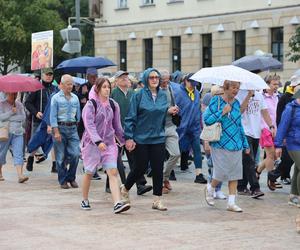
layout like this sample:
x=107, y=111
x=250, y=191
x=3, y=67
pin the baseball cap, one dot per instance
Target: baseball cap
x=92, y=71
x=295, y=80
x=120, y=73
x=47, y=71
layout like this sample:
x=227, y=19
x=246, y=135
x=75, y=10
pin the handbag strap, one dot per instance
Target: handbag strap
x=172, y=96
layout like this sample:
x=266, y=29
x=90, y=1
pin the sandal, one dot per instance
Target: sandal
x=278, y=185
x=271, y=185
x=40, y=159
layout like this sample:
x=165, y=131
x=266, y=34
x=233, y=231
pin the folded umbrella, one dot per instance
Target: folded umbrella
x=257, y=62
x=81, y=64
x=217, y=75
x=19, y=83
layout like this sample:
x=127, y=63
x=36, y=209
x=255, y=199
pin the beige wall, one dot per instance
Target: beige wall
x=191, y=45
x=186, y=9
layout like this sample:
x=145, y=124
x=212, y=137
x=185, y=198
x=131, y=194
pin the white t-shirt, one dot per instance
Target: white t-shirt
x=251, y=118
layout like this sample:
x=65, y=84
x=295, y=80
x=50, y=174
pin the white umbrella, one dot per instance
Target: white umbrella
x=217, y=75
x=79, y=81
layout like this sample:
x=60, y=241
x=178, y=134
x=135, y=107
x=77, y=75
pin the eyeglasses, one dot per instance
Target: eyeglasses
x=154, y=77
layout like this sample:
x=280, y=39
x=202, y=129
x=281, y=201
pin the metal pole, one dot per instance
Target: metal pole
x=77, y=11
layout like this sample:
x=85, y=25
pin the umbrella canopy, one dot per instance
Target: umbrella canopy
x=297, y=73
x=19, y=83
x=81, y=64
x=257, y=62
x=217, y=75
x=79, y=80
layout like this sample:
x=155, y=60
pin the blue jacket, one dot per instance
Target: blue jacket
x=145, y=120
x=190, y=113
x=289, y=127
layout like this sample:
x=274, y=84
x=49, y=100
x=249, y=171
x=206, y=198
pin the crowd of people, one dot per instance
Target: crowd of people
x=157, y=125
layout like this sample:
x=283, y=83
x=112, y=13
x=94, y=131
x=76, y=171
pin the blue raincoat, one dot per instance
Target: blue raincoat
x=190, y=113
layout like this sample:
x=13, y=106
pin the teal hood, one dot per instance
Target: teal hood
x=146, y=74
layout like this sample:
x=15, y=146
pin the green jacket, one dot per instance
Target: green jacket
x=123, y=100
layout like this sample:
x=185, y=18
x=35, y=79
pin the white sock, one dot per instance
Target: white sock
x=231, y=199
x=209, y=188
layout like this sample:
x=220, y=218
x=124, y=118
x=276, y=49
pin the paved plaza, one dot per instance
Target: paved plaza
x=40, y=215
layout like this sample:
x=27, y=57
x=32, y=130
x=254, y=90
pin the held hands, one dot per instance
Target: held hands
x=57, y=136
x=102, y=146
x=49, y=129
x=226, y=109
x=130, y=145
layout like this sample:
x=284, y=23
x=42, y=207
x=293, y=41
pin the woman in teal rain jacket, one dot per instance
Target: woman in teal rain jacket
x=145, y=135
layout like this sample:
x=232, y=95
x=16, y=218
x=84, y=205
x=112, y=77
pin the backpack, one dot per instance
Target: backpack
x=111, y=102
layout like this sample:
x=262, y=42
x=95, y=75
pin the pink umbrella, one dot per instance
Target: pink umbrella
x=19, y=83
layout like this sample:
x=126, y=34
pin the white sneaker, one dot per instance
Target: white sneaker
x=209, y=197
x=234, y=208
x=219, y=195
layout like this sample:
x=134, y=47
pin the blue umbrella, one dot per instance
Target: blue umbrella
x=257, y=62
x=81, y=64
x=79, y=80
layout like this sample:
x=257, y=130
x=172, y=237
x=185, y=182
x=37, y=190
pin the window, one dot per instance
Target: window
x=148, y=50
x=206, y=50
x=122, y=3
x=176, y=53
x=145, y=2
x=123, y=55
x=239, y=44
x=277, y=43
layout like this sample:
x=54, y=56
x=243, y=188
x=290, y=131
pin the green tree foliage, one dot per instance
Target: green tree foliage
x=18, y=20
x=294, y=44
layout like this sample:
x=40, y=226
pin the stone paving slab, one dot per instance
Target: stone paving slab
x=40, y=215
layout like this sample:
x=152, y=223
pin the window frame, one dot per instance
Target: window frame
x=239, y=46
x=206, y=50
x=148, y=53
x=279, y=51
x=122, y=44
x=176, y=51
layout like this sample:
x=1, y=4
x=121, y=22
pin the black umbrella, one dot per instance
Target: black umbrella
x=257, y=63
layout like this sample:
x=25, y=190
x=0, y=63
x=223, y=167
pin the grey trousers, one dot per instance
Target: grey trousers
x=295, y=186
x=172, y=147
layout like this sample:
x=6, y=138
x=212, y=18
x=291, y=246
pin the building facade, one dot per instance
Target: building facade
x=187, y=35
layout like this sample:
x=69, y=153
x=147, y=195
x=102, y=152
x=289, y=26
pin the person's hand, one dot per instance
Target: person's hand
x=278, y=152
x=39, y=115
x=84, y=89
x=14, y=110
x=130, y=145
x=247, y=151
x=226, y=109
x=250, y=93
x=57, y=136
x=102, y=146
x=173, y=110
x=273, y=131
x=49, y=129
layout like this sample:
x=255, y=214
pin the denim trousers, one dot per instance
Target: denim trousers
x=16, y=142
x=67, y=152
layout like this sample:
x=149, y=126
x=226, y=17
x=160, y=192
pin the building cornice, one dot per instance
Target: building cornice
x=200, y=17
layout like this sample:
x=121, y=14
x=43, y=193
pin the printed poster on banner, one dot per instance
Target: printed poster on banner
x=42, y=50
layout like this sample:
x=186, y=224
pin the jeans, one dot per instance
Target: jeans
x=16, y=142
x=67, y=152
x=249, y=174
x=143, y=154
x=195, y=145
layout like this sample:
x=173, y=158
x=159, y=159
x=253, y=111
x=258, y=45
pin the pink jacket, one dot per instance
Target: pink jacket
x=105, y=126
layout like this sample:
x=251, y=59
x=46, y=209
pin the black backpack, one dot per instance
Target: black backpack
x=111, y=102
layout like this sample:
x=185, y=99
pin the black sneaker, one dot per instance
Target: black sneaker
x=121, y=207
x=200, y=179
x=53, y=169
x=96, y=176
x=245, y=192
x=286, y=181
x=143, y=189
x=172, y=176
x=85, y=205
x=257, y=193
